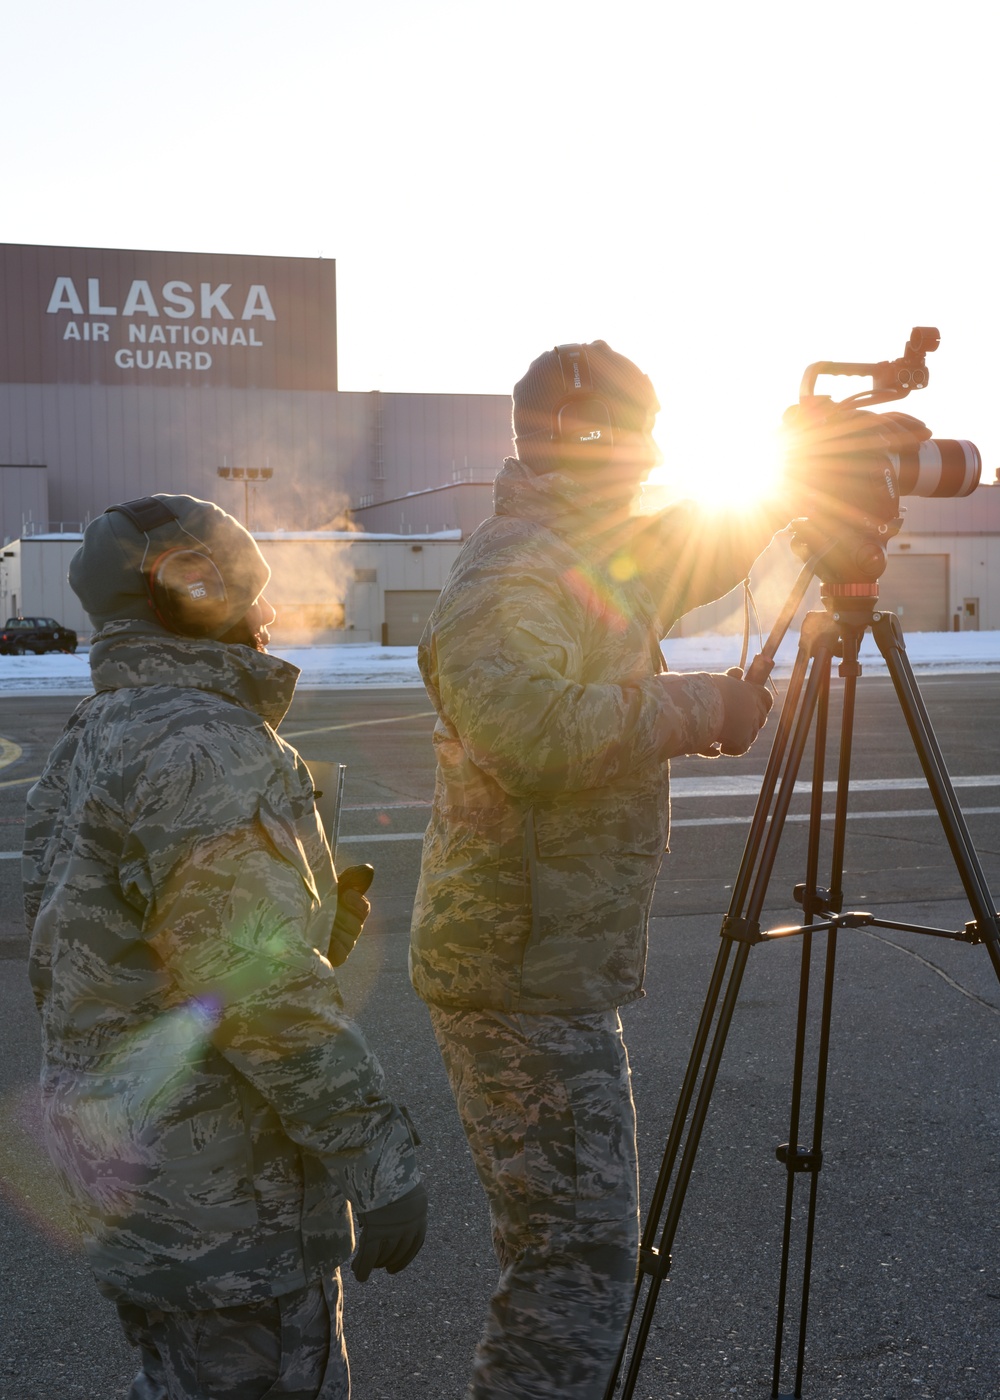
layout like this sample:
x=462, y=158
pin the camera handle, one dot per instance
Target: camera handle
x=838, y=629
x=891, y=379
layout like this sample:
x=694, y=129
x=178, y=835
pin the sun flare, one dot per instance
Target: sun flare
x=722, y=470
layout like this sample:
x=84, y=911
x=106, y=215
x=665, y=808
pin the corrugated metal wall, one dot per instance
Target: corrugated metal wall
x=435, y=439
x=915, y=587
x=104, y=444
x=461, y=506
x=24, y=496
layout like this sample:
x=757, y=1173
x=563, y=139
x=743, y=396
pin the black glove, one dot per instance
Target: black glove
x=392, y=1235
x=745, y=707
x=352, y=910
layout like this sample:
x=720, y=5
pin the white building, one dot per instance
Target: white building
x=327, y=586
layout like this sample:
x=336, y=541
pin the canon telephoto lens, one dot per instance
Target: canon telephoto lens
x=939, y=467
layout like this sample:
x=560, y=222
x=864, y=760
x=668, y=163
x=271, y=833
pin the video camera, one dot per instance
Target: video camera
x=849, y=467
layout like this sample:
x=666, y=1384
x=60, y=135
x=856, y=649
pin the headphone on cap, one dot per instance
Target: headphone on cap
x=186, y=591
x=582, y=418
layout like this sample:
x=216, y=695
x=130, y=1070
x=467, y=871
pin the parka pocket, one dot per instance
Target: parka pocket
x=592, y=868
x=591, y=876
x=617, y=824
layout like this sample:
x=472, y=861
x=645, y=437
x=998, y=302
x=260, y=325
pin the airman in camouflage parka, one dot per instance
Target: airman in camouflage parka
x=218, y=1121
x=556, y=722
x=211, y=1107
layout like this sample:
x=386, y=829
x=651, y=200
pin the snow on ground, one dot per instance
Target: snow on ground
x=362, y=666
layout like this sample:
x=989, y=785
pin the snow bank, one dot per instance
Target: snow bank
x=361, y=666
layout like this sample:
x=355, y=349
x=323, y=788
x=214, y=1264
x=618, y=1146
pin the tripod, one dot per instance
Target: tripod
x=849, y=610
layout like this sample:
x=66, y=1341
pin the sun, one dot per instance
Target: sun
x=724, y=467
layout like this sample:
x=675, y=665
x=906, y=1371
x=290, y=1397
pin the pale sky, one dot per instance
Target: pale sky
x=725, y=192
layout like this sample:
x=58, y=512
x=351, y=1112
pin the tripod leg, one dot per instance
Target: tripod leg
x=807, y=696
x=656, y=1262
x=748, y=894
x=790, y=1152
x=811, y=1161
x=888, y=636
x=750, y=888
x=772, y=773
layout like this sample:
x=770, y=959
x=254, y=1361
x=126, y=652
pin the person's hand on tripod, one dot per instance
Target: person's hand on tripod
x=745, y=709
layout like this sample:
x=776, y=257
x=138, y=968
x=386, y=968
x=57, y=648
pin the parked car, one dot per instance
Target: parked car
x=37, y=634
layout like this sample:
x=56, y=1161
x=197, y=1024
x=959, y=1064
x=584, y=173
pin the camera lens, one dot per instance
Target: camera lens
x=939, y=467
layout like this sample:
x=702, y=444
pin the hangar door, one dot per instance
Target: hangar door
x=916, y=587
x=406, y=614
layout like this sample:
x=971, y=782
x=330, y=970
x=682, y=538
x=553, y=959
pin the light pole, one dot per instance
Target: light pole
x=246, y=475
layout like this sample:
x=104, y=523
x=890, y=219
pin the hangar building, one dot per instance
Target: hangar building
x=125, y=372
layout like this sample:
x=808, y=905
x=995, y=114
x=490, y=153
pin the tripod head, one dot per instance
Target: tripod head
x=847, y=560
x=848, y=557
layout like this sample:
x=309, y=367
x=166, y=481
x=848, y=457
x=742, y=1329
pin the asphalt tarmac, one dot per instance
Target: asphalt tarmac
x=905, y=1296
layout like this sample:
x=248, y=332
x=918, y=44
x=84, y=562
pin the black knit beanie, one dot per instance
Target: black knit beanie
x=108, y=573
x=538, y=395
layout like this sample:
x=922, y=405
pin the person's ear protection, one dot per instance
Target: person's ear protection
x=581, y=420
x=186, y=590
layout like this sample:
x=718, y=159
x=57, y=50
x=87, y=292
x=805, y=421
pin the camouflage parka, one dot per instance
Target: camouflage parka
x=555, y=726
x=211, y=1108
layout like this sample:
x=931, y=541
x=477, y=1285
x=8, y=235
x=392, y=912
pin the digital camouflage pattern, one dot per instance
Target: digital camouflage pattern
x=556, y=721
x=213, y=1111
x=291, y=1346
x=547, y=1108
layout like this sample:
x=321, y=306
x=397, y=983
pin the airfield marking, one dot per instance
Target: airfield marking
x=355, y=724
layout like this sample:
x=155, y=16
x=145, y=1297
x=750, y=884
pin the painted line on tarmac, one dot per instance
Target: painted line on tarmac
x=683, y=788
x=749, y=786
x=356, y=724
x=828, y=816
x=9, y=752
x=381, y=836
x=687, y=788
x=914, y=813
x=390, y=806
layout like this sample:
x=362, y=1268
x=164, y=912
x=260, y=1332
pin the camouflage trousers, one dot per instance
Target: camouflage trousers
x=546, y=1104
x=291, y=1346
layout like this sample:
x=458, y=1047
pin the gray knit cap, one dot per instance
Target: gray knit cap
x=537, y=396
x=107, y=571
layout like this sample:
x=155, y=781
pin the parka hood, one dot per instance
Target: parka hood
x=126, y=654
x=596, y=515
